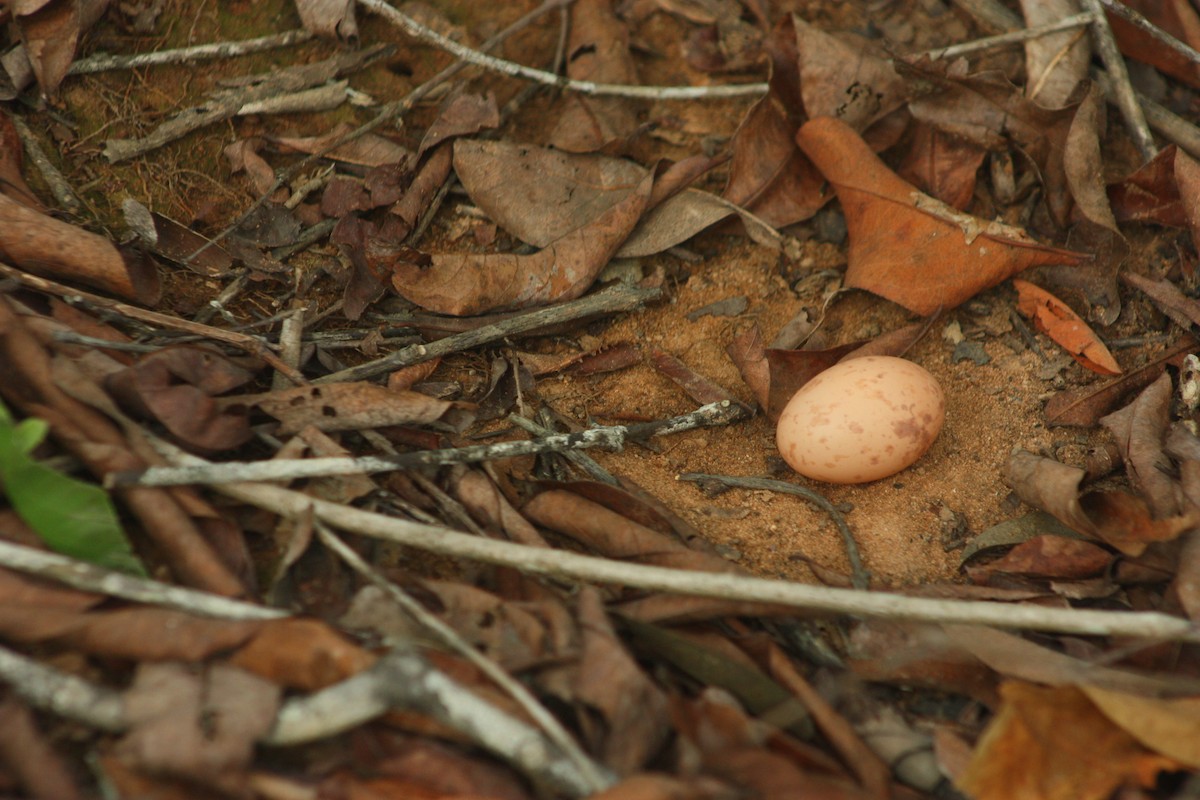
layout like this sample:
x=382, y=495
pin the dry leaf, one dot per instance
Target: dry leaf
x=461, y=284
x=907, y=246
x=1170, y=726
x=1054, y=744
x=332, y=19
x=355, y=406
x=1140, y=429
x=1054, y=318
x=1057, y=62
x=1150, y=194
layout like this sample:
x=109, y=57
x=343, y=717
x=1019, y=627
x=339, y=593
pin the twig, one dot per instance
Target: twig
x=59, y=187
x=1171, y=126
x=581, y=460
x=1146, y=26
x=403, y=679
x=566, y=565
x=860, y=577
x=250, y=344
x=512, y=69
x=308, y=236
x=607, y=301
x=1011, y=37
x=104, y=63
x=1114, y=62
x=609, y=438
x=91, y=578
x=595, y=775
x=61, y=693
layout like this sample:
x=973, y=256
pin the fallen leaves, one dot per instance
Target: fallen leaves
x=907, y=246
x=1054, y=318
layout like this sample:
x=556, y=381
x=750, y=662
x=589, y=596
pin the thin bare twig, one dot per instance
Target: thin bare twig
x=1114, y=62
x=859, y=576
x=572, y=566
x=61, y=693
x=183, y=55
x=581, y=460
x=59, y=187
x=1141, y=23
x=91, y=578
x=607, y=301
x=596, y=775
x=1011, y=37
x=425, y=34
x=609, y=438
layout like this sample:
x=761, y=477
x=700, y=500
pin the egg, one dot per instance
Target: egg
x=861, y=420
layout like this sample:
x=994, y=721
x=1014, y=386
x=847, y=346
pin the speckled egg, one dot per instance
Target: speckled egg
x=861, y=420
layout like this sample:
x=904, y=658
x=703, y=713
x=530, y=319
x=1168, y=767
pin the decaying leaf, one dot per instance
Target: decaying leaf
x=1055, y=744
x=907, y=246
x=1140, y=429
x=355, y=406
x=1055, y=318
x=1117, y=518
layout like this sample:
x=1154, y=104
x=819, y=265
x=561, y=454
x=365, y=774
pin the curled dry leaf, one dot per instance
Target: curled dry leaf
x=51, y=31
x=1150, y=194
x=45, y=246
x=944, y=166
x=356, y=406
x=1055, y=318
x=1140, y=429
x=1116, y=518
x=1179, y=19
x=907, y=246
x=461, y=284
x=332, y=19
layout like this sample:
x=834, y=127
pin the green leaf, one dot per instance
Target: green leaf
x=74, y=518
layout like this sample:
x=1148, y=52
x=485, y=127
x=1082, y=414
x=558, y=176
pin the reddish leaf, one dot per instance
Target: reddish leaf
x=1178, y=19
x=1150, y=194
x=1187, y=178
x=12, y=181
x=943, y=165
x=1139, y=430
x=1048, y=557
x=1055, y=319
x=907, y=246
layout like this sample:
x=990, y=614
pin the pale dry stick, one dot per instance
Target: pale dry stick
x=59, y=187
x=514, y=70
x=405, y=679
x=581, y=460
x=1126, y=99
x=596, y=775
x=610, y=438
x=92, y=578
x=389, y=112
x=183, y=55
x=1170, y=126
x=606, y=301
x=572, y=566
x=401, y=679
x=1012, y=37
x=250, y=344
x=1141, y=23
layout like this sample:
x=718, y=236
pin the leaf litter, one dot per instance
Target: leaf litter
x=873, y=199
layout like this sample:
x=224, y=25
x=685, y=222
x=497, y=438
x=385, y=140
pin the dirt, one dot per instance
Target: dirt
x=905, y=525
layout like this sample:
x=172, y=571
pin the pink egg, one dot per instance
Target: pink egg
x=861, y=420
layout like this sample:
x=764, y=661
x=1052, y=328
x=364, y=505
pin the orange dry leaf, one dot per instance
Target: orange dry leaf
x=1054, y=744
x=1055, y=319
x=907, y=246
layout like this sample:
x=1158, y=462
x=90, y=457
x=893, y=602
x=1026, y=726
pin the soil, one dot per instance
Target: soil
x=907, y=526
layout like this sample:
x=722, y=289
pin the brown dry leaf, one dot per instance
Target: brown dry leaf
x=363, y=285
x=462, y=284
x=1167, y=726
x=1055, y=318
x=1048, y=557
x=51, y=31
x=332, y=19
x=369, y=150
x=488, y=506
x=597, y=50
x=1187, y=178
x=243, y=155
x=1114, y=517
x=355, y=406
x=461, y=115
x=33, y=611
x=942, y=165
x=198, y=725
x=1140, y=429
x=1177, y=18
x=45, y=246
x=177, y=387
x=177, y=242
x=1150, y=194
x=696, y=386
x=1054, y=744
x=12, y=181
x=1056, y=63
x=633, y=723
x=653, y=786
x=1087, y=404
x=912, y=654
x=1169, y=299
x=303, y=654
x=1082, y=163
x=907, y=246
